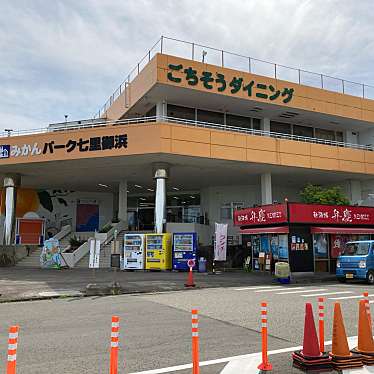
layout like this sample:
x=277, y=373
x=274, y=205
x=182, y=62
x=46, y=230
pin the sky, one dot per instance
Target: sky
x=68, y=56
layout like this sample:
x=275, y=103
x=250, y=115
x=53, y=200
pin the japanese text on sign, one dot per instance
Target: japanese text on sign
x=99, y=143
x=218, y=81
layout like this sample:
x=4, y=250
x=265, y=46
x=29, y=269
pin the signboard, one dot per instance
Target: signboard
x=50, y=256
x=263, y=215
x=220, y=244
x=215, y=81
x=331, y=214
x=94, y=262
x=191, y=263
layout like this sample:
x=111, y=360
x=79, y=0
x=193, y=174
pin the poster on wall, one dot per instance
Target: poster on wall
x=283, y=247
x=338, y=243
x=50, y=256
x=320, y=245
x=265, y=243
x=274, y=246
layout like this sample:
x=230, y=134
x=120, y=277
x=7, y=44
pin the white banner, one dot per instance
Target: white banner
x=220, y=243
x=94, y=262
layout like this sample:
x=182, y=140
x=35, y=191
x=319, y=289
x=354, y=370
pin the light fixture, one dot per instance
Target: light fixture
x=142, y=198
x=175, y=197
x=103, y=185
x=128, y=191
x=175, y=188
x=150, y=190
x=9, y=131
x=137, y=186
x=192, y=197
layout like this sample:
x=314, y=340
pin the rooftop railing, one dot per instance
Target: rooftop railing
x=220, y=57
x=77, y=125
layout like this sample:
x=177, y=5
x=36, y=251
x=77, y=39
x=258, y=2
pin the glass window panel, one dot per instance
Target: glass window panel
x=325, y=134
x=256, y=124
x=207, y=116
x=238, y=121
x=280, y=127
x=303, y=131
x=181, y=112
x=339, y=136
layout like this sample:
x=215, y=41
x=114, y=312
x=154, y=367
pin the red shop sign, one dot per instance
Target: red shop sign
x=263, y=215
x=331, y=214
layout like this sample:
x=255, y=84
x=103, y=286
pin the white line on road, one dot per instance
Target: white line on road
x=252, y=288
x=348, y=297
x=326, y=293
x=276, y=288
x=352, y=341
x=313, y=290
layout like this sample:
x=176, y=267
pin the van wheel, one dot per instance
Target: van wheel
x=342, y=280
x=370, y=277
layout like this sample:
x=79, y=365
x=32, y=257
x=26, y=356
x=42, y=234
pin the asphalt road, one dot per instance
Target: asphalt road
x=72, y=335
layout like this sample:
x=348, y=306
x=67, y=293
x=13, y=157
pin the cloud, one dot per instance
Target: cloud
x=68, y=56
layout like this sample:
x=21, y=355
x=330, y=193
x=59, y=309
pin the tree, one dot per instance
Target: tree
x=312, y=194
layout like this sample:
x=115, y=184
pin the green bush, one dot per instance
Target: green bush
x=313, y=194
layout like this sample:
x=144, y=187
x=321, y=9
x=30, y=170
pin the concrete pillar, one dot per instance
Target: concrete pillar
x=265, y=124
x=160, y=204
x=161, y=110
x=351, y=137
x=355, y=190
x=11, y=182
x=122, y=201
x=266, y=191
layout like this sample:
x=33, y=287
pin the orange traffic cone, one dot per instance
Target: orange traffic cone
x=190, y=282
x=341, y=357
x=310, y=358
x=365, y=345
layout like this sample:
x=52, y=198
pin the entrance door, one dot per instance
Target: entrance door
x=87, y=217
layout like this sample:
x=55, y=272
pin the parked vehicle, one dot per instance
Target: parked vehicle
x=356, y=262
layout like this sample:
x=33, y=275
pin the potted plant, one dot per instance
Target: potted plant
x=75, y=243
x=103, y=232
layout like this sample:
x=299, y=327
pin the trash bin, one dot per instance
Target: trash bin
x=202, y=265
x=282, y=272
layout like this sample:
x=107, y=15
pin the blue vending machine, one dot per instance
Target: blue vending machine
x=184, y=249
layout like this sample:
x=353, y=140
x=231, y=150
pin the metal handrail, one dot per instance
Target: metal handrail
x=321, y=79
x=210, y=125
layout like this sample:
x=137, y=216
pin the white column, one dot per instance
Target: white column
x=11, y=183
x=265, y=124
x=122, y=201
x=266, y=191
x=355, y=191
x=161, y=110
x=160, y=203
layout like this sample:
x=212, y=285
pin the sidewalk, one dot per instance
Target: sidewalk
x=17, y=284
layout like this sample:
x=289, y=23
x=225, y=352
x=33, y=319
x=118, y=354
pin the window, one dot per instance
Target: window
x=227, y=210
x=256, y=123
x=238, y=121
x=280, y=127
x=339, y=136
x=151, y=112
x=325, y=134
x=303, y=131
x=181, y=112
x=207, y=116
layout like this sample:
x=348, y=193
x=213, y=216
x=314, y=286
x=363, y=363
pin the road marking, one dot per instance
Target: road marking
x=276, y=288
x=348, y=297
x=313, y=290
x=252, y=288
x=327, y=293
x=352, y=341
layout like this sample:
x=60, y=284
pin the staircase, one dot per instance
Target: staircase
x=105, y=253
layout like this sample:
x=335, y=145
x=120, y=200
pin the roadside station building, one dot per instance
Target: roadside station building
x=193, y=134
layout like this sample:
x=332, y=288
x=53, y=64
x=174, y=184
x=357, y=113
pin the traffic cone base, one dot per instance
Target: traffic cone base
x=265, y=367
x=310, y=358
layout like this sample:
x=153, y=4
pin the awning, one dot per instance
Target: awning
x=266, y=230
x=340, y=230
